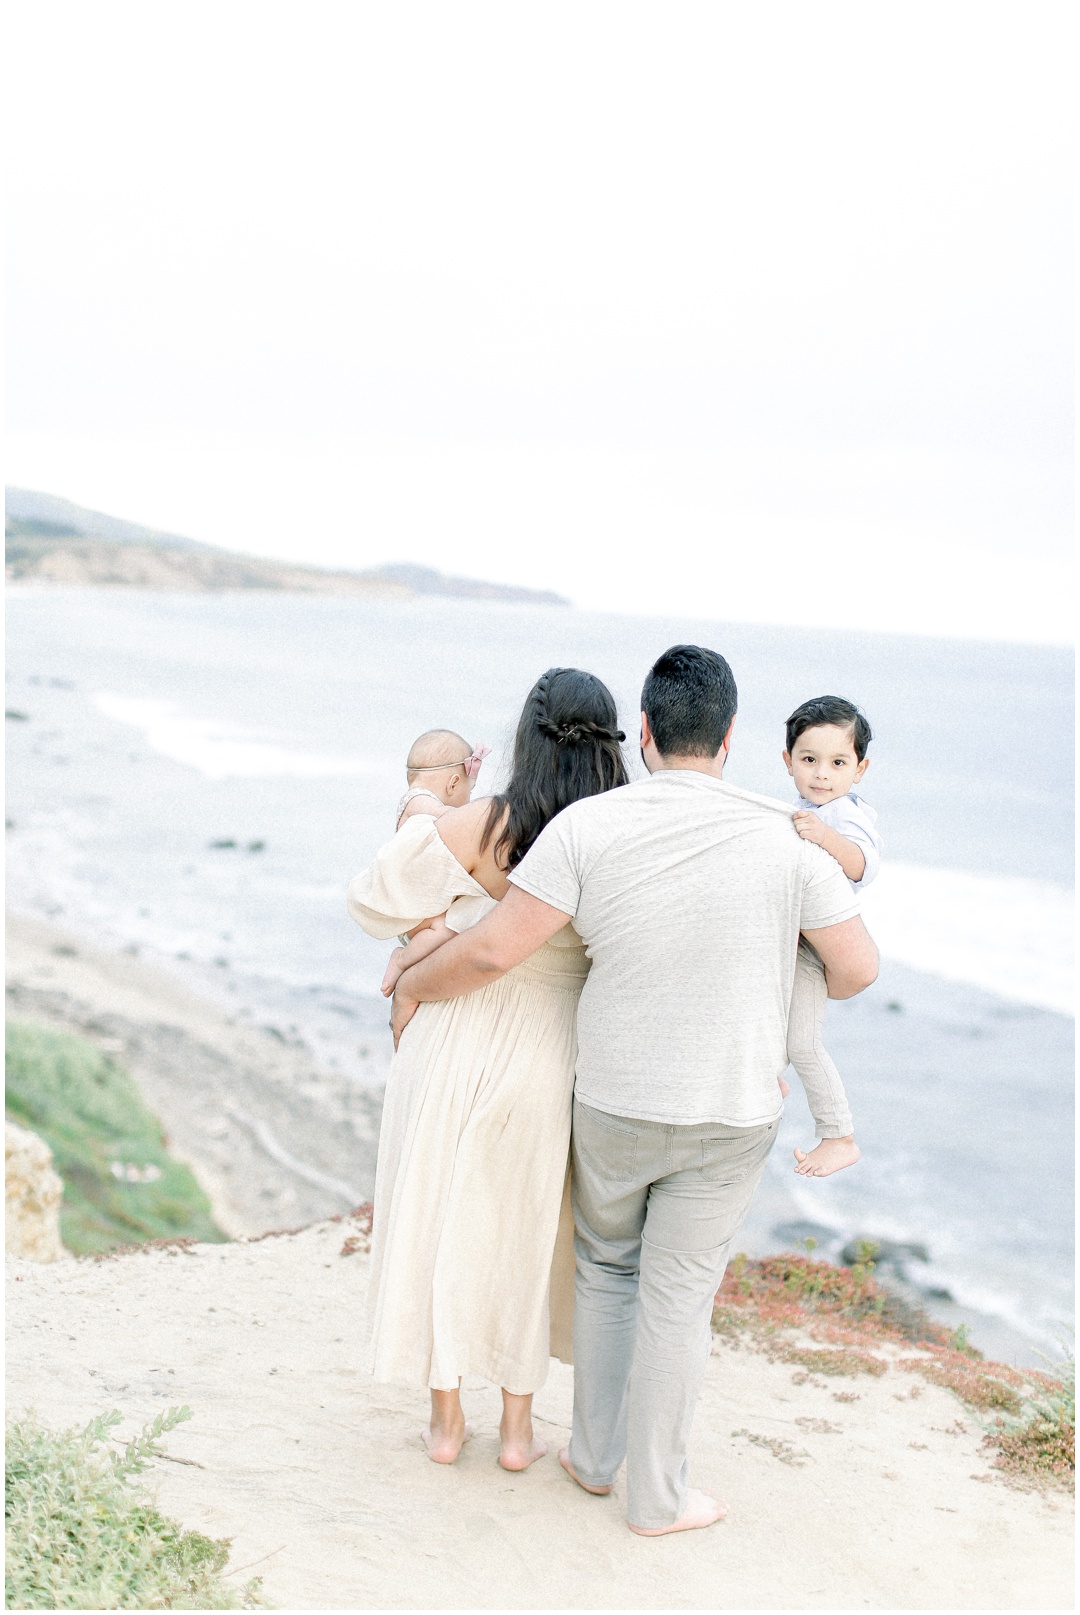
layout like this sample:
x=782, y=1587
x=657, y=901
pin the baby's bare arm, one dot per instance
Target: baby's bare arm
x=421, y=804
x=848, y=854
x=420, y=944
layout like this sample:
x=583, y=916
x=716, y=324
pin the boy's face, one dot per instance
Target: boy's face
x=823, y=763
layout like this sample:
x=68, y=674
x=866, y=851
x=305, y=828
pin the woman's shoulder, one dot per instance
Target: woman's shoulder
x=464, y=830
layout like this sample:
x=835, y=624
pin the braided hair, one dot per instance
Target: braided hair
x=566, y=748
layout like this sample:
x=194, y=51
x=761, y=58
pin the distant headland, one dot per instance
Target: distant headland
x=51, y=540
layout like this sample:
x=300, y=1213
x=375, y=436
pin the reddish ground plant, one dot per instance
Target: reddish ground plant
x=857, y=1324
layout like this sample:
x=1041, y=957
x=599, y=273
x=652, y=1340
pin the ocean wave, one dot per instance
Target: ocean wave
x=223, y=751
x=1005, y=934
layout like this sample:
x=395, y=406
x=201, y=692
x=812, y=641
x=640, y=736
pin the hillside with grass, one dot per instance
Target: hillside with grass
x=121, y=1185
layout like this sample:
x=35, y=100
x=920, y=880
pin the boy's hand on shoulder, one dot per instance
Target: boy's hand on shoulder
x=810, y=827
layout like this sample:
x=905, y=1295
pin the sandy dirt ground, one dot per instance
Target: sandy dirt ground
x=881, y=1502
x=275, y=1141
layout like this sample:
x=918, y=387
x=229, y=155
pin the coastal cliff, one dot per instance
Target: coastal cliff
x=52, y=541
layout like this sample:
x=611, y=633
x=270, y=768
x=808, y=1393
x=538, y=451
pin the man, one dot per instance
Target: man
x=690, y=896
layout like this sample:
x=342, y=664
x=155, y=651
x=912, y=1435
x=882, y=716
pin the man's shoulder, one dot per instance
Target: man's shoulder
x=772, y=810
x=593, y=813
x=685, y=797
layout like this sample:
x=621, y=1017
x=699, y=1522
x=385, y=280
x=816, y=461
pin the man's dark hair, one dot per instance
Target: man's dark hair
x=689, y=699
x=830, y=709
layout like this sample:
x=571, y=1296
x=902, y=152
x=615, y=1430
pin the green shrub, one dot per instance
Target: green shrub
x=92, y=1116
x=81, y=1536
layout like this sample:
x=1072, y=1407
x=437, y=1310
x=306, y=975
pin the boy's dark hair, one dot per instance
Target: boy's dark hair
x=689, y=699
x=830, y=709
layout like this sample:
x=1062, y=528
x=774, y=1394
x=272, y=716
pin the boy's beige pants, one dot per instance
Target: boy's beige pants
x=824, y=1090
x=656, y=1209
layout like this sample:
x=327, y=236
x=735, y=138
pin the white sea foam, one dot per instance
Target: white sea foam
x=1005, y=934
x=223, y=751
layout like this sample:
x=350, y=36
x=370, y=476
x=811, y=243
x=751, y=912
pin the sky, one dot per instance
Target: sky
x=755, y=312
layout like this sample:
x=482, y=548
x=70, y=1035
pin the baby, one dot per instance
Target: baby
x=826, y=755
x=449, y=766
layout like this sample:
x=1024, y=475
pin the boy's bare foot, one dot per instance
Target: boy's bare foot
x=597, y=1491
x=516, y=1454
x=443, y=1446
x=830, y=1155
x=701, y=1509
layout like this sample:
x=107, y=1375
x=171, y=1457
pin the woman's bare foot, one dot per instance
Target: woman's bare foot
x=448, y=1432
x=443, y=1446
x=830, y=1155
x=518, y=1446
x=701, y=1509
x=519, y=1455
x=597, y=1491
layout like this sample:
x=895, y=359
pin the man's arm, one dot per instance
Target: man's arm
x=849, y=955
x=512, y=931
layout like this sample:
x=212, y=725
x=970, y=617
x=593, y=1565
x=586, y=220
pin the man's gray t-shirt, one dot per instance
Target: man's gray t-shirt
x=689, y=895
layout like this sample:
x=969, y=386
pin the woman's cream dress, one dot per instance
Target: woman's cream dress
x=472, y=1245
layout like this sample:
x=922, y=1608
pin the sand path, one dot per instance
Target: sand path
x=320, y=1479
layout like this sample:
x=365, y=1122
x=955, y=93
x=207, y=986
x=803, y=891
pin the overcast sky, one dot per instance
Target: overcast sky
x=750, y=310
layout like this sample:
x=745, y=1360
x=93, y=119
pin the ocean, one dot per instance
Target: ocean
x=196, y=777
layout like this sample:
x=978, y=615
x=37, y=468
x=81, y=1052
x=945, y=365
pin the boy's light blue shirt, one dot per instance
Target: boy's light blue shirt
x=854, y=818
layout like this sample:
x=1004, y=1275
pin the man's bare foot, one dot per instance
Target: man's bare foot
x=597, y=1491
x=517, y=1454
x=443, y=1446
x=701, y=1509
x=830, y=1155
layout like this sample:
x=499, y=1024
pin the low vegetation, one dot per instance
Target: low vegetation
x=841, y=1321
x=121, y=1186
x=1039, y=1446
x=82, y=1535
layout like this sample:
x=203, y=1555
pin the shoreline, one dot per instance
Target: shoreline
x=278, y=1137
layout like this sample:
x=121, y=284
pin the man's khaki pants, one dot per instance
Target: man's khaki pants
x=656, y=1209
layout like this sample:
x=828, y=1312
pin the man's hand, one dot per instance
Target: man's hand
x=401, y=1013
x=810, y=827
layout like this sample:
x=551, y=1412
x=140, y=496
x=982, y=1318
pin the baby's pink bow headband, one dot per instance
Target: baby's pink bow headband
x=472, y=764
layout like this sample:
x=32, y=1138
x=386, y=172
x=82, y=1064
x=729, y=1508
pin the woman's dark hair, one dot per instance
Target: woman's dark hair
x=566, y=747
x=830, y=709
x=689, y=699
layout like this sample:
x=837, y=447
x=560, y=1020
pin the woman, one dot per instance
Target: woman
x=470, y=1188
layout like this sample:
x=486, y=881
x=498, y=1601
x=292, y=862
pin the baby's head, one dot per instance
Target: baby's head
x=826, y=747
x=437, y=760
